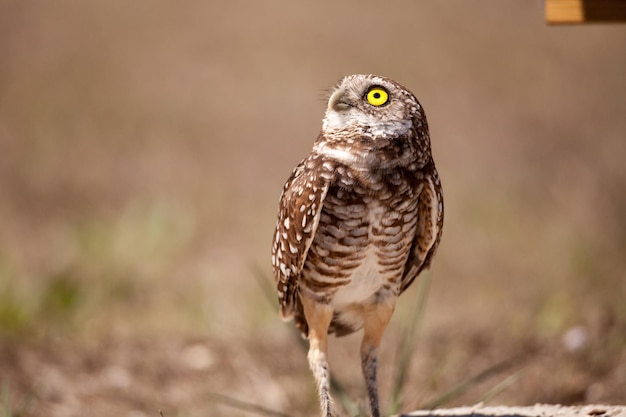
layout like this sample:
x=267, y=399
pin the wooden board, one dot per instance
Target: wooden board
x=584, y=11
x=537, y=410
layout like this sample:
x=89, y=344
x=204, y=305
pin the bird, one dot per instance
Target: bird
x=359, y=219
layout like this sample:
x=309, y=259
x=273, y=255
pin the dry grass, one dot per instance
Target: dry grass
x=142, y=151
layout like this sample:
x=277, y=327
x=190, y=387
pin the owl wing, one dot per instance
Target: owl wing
x=298, y=216
x=428, y=230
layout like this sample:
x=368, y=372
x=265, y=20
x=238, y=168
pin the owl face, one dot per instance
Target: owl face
x=371, y=106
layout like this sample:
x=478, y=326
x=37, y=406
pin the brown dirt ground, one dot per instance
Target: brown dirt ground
x=143, y=146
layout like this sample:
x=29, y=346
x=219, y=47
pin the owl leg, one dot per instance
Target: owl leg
x=376, y=320
x=318, y=317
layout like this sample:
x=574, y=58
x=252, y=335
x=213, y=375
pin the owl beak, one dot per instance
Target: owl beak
x=337, y=101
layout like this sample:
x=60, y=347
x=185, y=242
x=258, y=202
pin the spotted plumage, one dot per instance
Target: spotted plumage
x=359, y=219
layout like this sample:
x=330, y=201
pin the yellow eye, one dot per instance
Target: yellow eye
x=377, y=96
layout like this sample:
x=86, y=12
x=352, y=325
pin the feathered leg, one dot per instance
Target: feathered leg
x=318, y=317
x=376, y=320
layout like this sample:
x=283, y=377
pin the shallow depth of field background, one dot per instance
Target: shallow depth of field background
x=143, y=147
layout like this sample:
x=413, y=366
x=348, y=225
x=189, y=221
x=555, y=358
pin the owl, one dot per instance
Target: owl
x=359, y=218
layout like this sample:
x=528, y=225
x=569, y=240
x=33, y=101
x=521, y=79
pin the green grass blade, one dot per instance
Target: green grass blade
x=6, y=407
x=407, y=345
x=348, y=405
x=471, y=382
x=21, y=408
x=267, y=286
x=502, y=385
x=245, y=406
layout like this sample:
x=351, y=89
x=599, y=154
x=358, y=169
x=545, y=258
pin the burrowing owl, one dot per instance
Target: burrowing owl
x=358, y=220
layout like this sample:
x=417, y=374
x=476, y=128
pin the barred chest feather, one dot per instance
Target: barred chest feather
x=363, y=239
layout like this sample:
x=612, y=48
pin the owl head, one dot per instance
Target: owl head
x=374, y=122
x=372, y=106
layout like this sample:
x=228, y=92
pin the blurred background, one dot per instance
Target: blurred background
x=143, y=147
